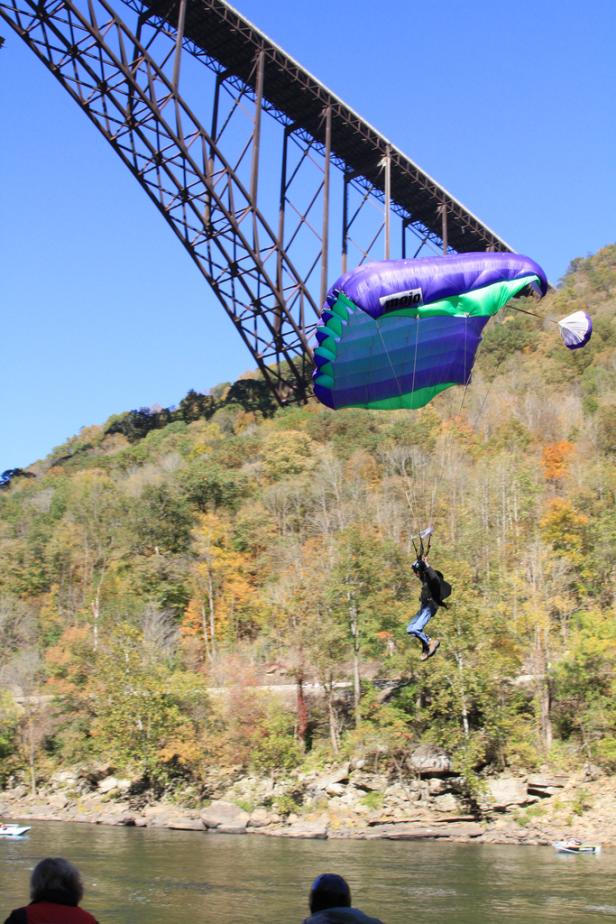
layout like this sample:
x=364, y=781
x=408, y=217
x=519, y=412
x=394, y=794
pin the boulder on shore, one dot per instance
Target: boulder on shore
x=430, y=760
x=224, y=815
x=262, y=817
x=506, y=791
x=546, y=785
x=112, y=784
x=307, y=829
x=185, y=823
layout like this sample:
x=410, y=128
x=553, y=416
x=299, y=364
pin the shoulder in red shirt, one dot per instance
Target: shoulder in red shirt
x=53, y=913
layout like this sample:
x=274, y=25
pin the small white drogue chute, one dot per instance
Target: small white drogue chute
x=576, y=329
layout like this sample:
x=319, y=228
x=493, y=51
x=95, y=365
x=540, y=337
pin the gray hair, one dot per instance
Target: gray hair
x=55, y=878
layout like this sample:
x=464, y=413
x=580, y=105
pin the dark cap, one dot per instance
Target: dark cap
x=419, y=566
x=329, y=891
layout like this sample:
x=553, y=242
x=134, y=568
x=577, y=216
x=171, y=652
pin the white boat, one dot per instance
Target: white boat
x=13, y=830
x=575, y=846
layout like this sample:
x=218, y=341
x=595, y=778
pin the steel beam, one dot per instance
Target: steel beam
x=325, y=231
x=387, y=168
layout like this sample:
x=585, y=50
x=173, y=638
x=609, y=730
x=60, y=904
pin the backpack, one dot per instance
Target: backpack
x=439, y=587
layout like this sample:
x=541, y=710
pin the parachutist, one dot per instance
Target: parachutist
x=434, y=590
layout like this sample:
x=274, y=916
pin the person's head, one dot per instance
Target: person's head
x=329, y=891
x=55, y=879
x=419, y=567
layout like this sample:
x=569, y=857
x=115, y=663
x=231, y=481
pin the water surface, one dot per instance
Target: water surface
x=156, y=876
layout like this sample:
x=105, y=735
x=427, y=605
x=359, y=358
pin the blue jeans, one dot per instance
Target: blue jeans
x=419, y=622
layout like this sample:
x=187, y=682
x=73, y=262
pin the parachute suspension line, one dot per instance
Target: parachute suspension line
x=489, y=388
x=463, y=399
x=466, y=370
x=410, y=492
x=447, y=441
x=433, y=499
x=532, y=314
x=415, y=353
x=448, y=436
x=414, y=480
x=386, y=351
x=483, y=405
x=412, y=390
x=438, y=477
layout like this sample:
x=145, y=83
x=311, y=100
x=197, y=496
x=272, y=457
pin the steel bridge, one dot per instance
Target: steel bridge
x=273, y=184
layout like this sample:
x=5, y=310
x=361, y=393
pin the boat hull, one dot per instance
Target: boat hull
x=13, y=830
x=583, y=848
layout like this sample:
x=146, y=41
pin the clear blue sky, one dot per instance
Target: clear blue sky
x=510, y=107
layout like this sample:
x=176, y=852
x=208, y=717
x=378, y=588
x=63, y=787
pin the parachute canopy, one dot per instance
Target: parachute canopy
x=395, y=333
x=576, y=329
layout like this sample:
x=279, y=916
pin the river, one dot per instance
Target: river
x=157, y=876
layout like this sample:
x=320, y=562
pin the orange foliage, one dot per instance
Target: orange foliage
x=68, y=662
x=460, y=430
x=554, y=459
x=192, y=620
x=183, y=748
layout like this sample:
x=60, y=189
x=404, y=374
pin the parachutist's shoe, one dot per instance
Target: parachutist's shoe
x=434, y=643
x=425, y=654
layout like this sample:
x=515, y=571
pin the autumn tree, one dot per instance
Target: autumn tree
x=85, y=547
x=220, y=607
x=585, y=689
x=142, y=710
x=554, y=459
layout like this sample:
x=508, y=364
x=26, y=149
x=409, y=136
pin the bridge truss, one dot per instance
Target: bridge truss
x=273, y=185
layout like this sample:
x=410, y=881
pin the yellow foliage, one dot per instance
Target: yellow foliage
x=287, y=453
x=563, y=528
x=50, y=618
x=243, y=420
x=91, y=433
x=222, y=582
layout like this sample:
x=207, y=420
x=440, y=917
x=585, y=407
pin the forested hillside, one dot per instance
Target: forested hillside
x=153, y=560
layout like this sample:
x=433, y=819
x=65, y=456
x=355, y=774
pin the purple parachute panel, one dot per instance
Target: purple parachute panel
x=387, y=285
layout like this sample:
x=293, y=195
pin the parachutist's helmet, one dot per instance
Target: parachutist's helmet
x=419, y=566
